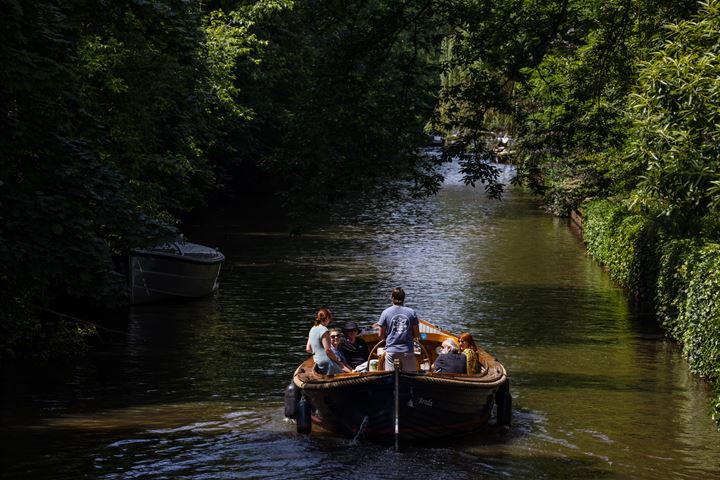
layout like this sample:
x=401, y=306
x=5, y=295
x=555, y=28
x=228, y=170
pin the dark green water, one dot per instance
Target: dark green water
x=194, y=390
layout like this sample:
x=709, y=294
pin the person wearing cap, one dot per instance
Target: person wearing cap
x=399, y=327
x=450, y=360
x=353, y=347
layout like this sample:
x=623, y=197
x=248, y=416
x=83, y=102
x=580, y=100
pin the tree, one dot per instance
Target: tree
x=107, y=117
x=340, y=102
x=562, y=72
x=675, y=109
x=572, y=120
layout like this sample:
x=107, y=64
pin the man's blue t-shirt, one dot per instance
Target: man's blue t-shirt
x=399, y=323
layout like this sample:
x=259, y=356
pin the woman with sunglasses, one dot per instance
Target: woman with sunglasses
x=470, y=350
x=336, y=341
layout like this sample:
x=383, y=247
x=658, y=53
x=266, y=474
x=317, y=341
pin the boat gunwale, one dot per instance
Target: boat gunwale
x=189, y=258
x=480, y=380
x=492, y=377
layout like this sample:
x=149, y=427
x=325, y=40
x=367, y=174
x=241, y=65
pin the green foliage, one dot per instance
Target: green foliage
x=676, y=114
x=621, y=242
x=340, y=103
x=487, y=53
x=680, y=276
x=140, y=85
x=688, y=305
x=700, y=311
x=107, y=117
x=672, y=283
x=715, y=402
x=571, y=122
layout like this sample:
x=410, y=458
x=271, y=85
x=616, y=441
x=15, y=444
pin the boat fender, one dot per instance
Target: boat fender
x=292, y=397
x=503, y=399
x=302, y=419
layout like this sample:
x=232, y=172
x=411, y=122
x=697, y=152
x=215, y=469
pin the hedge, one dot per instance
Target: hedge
x=679, y=277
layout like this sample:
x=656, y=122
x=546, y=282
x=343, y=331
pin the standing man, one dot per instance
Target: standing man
x=399, y=327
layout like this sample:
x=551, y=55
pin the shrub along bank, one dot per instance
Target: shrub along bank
x=679, y=277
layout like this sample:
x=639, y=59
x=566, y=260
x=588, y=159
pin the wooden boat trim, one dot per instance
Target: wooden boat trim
x=493, y=375
x=315, y=381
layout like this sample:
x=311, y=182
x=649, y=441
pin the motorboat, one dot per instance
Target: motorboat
x=394, y=405
x=173, y=270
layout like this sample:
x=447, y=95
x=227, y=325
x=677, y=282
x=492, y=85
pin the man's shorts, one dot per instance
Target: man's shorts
x=407, y=361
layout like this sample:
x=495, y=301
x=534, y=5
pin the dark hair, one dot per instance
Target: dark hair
x=398, y=296
x=322, y=315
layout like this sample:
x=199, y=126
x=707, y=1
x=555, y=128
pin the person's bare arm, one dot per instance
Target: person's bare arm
x=328, y=349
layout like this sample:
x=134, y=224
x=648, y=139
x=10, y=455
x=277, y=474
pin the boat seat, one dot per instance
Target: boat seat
x=419, y=363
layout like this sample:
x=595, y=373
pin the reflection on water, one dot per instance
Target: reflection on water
x=194, y=390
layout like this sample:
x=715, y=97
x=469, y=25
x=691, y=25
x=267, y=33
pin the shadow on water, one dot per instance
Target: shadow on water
x=243, y=442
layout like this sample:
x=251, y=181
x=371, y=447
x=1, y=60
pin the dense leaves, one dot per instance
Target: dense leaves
x=680, y=276
x=676, y=114
x=345, y=90
x=106, y=117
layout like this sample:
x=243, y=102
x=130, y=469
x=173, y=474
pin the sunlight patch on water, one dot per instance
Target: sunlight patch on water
x=161, y=418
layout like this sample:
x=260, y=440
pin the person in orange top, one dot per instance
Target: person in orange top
x=470, y=350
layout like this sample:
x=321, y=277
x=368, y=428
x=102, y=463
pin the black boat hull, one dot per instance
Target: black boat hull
x=428, y=407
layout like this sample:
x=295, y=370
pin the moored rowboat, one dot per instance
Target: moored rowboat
x=173, y=270
x=409, y=405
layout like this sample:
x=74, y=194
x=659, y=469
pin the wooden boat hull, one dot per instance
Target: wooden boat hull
x=161, y=275
x=429, y=406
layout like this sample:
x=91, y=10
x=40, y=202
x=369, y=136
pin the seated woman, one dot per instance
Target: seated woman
x=326, y=362
x=336, y=340
x=470, y=350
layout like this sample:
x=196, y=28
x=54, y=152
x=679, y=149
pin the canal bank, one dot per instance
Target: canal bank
x=679, y=278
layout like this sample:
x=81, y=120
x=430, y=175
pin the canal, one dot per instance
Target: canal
x=195, y=390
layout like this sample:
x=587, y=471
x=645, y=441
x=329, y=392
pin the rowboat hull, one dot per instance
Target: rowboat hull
x=182, y=272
